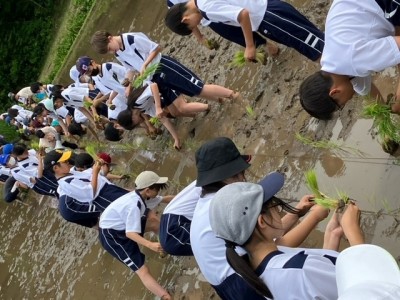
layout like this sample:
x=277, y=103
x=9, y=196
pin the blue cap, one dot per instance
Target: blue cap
x=8, y=119
x=8, y=148
x=4, y=159
x=82, y=64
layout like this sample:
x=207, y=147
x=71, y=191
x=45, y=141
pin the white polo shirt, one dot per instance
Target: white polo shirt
x=111, y=77
x=184, y=203
x=300, y=273
x=74, y=95
x=124, y=213
x=136, y=49
x=358, y=41
x=227, y=11
x=146, y=103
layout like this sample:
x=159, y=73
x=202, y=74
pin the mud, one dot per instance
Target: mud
x=43, y=257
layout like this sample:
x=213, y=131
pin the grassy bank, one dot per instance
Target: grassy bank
x=70, y=23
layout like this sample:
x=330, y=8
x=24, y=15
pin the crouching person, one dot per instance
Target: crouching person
x=124, y=222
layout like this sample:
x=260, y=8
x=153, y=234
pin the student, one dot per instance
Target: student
x=219, y=163
x=231, y=33
x=123, y=224
x=24, y=96
x=367, y=272
x=176, y=219
x=111, y=76
x=83, y=197
x=272, y=19
x=136, y=52
x=249, y=215
x=357, y=33
x=147, y=100
x=106, y=167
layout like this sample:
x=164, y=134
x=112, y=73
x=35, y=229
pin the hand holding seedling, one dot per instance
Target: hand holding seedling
x=319, y=212
x=250, y=53
x=156, y=247
x=350, y=223
x=305, y=204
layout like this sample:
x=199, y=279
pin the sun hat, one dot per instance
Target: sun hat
x=7, y=148
x=219, y=159
x=235, y=208
x=82, y=64
x=48, y=104
x=367, y=272
x=148, y=178
x=106, y=158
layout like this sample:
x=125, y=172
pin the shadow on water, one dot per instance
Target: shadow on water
x=43, y=257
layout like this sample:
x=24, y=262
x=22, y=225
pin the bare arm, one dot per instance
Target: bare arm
x=156, y=247
x=152, y=55
x=244, y=20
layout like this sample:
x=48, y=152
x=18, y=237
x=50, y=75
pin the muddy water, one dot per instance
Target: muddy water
x=43, y=257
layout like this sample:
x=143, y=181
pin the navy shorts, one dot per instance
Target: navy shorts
x=8, y=185
x=80, y=213
x=235, y=287
x=235, y=34
x=108, y=194
x=283, y=24
x=122, y=248
x=175, y=234
x=3, y=178
x=174, y=75
x=168, y=96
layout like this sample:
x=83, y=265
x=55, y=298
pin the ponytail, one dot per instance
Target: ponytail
x=243, y=269
x=134, y=94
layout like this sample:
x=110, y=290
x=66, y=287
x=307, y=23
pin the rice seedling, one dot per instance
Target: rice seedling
x=329, y=145
x=87, y=104
x=211, y=44
x=321, y=198
x=92, y=151
x=155, y=121
x=34, y=144
x=384, y=123
x=240, y=61
x=149, y=71
x=250, y=111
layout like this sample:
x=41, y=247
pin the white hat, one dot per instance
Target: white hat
x=148, y=178
x=367, y=272
x=48, y=104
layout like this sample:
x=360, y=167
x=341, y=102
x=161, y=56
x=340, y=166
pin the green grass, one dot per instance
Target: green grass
x=76, y=18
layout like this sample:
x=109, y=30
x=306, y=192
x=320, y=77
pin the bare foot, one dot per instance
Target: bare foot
x=272, y=49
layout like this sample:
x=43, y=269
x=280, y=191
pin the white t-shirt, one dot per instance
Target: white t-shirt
x=5, y=171
x=25, y=92
x=79, y=117
x=146, y=103
x=208, y=250
x=136, y=49
x=125, y=213
x=111, y=77
x=300, y=273
x=227, y=11
x=80, y=187
x=359, y=32
x=49, y=140
x=74, y=95
x=74, y=74
x=184, y=203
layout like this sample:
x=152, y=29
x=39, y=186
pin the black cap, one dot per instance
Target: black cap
x=219, y=159
x=51, y=158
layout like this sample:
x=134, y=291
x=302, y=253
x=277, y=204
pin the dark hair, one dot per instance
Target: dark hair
x=134, y=94
x=40, y=134
x=76, y=128
x=173, y=19
x=124, y=119
x=156, y=186
x=112, y=134
x=57, y=95
x=12, y=112
x=35, y=87
x=314, y=96
x=99, y=41
x=83, y=160
x=56, y=88
x=39, y=109
x=19, y=149
x=212, y=188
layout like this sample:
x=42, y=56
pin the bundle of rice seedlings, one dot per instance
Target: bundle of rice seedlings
x=321, y=198
x=92, y=151
x=240, y=61
x=211, y=44
x=149, y=71
x=87, y=104
x=329, y=145
x=34, y=144
x=386, y=127
x=155, y=121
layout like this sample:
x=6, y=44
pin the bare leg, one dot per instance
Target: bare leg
x=216, y=92
x=171, y=129
x=151, y=284
x=191, y=108
x=272, y=49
